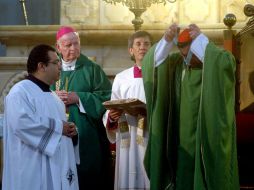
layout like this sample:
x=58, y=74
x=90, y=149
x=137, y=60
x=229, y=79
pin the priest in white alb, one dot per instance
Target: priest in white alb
x=38, y=149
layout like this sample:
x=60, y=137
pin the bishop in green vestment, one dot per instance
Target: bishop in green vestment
x=190, y=101
x=83, y=86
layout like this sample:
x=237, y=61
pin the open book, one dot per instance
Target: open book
x=130, y=105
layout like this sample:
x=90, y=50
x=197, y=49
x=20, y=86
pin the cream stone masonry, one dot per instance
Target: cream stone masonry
x=98, y=12
x=81, y=12
x=108, y=44
x=104, y=29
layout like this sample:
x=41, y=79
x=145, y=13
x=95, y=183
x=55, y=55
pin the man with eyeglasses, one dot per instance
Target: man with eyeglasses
x=190, y=101
x=125, y=129
x=83, y=86
x=38, y=149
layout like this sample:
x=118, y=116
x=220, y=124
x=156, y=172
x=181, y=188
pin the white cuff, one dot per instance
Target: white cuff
x=162, y=51
x=81, y=108
x=198, y=46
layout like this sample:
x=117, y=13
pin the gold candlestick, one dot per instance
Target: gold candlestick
x=66, y=84
x=66, y=89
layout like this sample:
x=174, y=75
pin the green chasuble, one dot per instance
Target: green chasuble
x=191, y=119
x=93, y=87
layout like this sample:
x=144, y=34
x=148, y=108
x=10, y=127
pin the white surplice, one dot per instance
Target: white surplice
x=36, y=155
x=129, y=171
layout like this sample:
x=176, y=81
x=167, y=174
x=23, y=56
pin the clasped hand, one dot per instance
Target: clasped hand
x=69, y=129
x=68, y=97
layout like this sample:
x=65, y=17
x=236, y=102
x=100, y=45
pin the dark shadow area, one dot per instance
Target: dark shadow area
x=39, y=12
x=245, y=141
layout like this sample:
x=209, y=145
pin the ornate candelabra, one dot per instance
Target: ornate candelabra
x=138, y=7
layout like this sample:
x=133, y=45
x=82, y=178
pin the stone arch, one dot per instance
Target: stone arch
x=9, y=84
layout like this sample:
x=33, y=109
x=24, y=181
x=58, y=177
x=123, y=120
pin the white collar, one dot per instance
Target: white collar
x=68, y=66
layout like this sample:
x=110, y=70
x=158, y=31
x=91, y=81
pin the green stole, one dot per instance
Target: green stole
x=189, y=108
x=193, y=119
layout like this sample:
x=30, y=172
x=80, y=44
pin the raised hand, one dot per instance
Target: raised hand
x=194, y=31
x=171, y=32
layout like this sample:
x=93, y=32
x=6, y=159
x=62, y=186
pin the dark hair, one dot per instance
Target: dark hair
x=183, y=44
x=38, y=54
x=138, y=34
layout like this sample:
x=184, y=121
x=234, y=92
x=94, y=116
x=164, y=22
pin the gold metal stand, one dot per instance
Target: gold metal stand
x=23, y=4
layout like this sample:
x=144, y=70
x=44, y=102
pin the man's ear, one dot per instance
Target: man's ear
x=57, y=46
x=41, y=67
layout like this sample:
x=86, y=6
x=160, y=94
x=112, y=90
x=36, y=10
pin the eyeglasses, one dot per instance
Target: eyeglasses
x=55, y=62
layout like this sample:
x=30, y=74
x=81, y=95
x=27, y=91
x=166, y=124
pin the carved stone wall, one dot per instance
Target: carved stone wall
x=184, y=12
x=208, y=14
x=104, y=29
